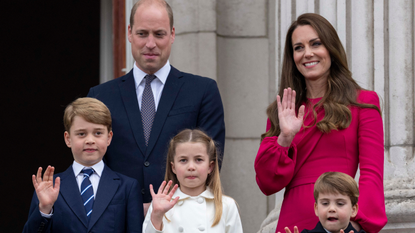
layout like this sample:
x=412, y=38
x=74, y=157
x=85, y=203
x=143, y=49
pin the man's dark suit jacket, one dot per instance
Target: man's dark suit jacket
x=187, y=101
x=118, y=207
x=319, y=229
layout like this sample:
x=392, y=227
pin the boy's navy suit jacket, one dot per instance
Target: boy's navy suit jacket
x=118, y=207
x=319, y=229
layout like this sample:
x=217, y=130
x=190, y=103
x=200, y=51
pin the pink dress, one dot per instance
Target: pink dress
x=312, y=153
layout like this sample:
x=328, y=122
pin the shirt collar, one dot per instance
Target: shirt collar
x=98, y=168
x=207, y=194
x=161, y=74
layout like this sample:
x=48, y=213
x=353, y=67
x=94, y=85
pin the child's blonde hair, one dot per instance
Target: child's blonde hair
x=337, y=182
x=91, y=109
x=213, y=179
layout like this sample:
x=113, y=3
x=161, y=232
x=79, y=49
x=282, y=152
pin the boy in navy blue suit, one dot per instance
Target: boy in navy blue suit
x=77, y=201
x=336, y=195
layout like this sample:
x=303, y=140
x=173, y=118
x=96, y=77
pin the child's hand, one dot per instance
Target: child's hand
x=287, y=230
x=162, y=202
x=46, y=193
x=341, y=231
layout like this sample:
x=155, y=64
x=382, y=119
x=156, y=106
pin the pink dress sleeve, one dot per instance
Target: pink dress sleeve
x=274, y=165
x=371, y=214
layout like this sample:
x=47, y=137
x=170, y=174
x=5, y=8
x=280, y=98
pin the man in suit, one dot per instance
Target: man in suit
x=179, y=100
x=88, y=196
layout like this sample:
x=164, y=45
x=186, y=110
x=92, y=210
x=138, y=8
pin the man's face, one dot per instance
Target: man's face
x=151, y=37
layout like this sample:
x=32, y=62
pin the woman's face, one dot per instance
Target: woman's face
x=310, y=55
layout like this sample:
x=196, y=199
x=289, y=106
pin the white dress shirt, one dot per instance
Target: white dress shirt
x=94, y=178
x=157, y=84
x=196, y=214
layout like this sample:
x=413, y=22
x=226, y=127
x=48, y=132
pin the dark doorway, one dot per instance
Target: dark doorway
x=50, y=56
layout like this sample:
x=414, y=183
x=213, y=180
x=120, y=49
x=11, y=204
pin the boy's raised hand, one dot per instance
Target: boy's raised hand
x=287, y=230
x=46, y=192
x=341, y=231
x=162, y=202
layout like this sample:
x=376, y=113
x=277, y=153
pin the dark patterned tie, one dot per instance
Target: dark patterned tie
x=148, y=108
x=87, y=192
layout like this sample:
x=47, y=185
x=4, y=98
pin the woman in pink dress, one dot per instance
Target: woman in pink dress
x=324, y=122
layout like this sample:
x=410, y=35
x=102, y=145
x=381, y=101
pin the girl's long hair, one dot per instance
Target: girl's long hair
x=213, y=179
x=342, y=89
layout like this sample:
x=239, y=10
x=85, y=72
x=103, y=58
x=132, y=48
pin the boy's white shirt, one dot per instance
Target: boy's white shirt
x=94, y=178
x=196, y=214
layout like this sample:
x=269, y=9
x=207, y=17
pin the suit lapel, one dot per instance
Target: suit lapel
x=72, y=196
x=108, y=186
x=129, y=97
x=172, y=87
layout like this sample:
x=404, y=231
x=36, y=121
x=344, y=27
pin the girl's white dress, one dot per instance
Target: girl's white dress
x=196, y=214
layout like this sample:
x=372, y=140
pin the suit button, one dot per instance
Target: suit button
x=146, y=163
x=143, y=191
x=201, y=228
x=181, y=229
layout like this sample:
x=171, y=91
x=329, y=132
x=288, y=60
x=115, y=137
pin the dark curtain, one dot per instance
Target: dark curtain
x=50, y=56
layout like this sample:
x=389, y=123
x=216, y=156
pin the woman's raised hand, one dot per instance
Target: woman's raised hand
x=289, y=122
x=162, y=202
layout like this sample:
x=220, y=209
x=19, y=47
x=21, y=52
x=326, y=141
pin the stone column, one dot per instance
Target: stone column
x=194, y=49
x=399, y=162
x=243, y=77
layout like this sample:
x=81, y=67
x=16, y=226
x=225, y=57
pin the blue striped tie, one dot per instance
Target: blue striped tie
x=148, y=108
x=87, y=192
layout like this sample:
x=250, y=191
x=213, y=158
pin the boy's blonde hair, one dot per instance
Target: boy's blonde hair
x=91, y=109
x=213, y=179
x=337, y=182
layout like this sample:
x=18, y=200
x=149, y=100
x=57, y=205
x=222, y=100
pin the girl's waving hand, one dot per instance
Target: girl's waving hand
x=162, y=202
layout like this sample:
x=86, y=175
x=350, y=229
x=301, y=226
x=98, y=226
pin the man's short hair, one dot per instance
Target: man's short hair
x=337, y=182
x=91, y=109
x=162, y=2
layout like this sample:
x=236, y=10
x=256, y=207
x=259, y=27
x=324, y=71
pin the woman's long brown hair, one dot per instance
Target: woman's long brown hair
x=341, y=91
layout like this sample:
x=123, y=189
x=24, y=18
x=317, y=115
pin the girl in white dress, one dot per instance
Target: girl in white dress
x=192, y=200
